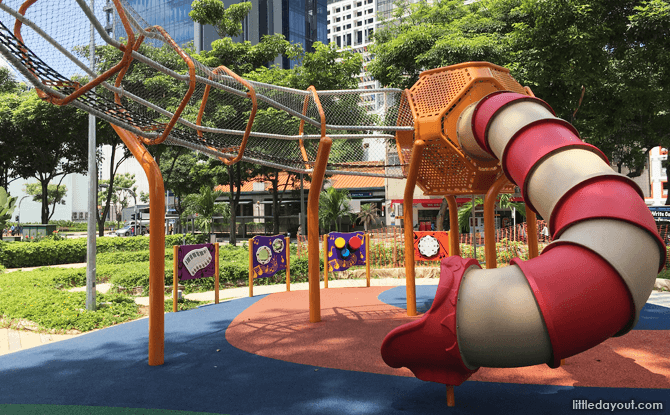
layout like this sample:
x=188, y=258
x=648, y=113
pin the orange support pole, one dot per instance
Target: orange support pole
x=175, y=278
x=451, y=399
x=367, y=259
x=454, y=247
x=216, y=275
x=489, y=221
x=288, y=263
x=156, y=245
x=313, y=228
x=531, y=233
x=251, y=267
x=410, y=276
x=325, y=261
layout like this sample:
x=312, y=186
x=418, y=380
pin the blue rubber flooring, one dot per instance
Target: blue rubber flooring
x=202, y=372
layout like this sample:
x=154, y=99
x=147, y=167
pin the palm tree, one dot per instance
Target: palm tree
x=204, y=207
x=369, y=213
x=334, y=205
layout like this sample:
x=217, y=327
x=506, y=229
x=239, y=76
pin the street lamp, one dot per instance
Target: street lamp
x=132, y=192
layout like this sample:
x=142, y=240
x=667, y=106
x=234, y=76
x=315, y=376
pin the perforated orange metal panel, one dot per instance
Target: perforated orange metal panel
x=435, y=103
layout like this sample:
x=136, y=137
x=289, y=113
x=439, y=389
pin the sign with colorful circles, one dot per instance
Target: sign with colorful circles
x=268, y=255
x=195, y=261
x=345, y=250
x=431, y=246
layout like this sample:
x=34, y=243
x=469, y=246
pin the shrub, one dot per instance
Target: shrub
x=50, y=252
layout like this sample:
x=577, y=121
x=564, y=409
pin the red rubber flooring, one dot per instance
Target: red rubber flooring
x=354, y=323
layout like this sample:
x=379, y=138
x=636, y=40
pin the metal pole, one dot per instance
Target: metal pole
x=302, y=205
x=92, y=193
x=472, y=228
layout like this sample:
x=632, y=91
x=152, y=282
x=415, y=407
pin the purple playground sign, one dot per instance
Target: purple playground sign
x=195, y=261
x=269, y=255
x=345, y=250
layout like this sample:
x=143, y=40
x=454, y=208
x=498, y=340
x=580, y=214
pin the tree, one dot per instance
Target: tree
x=465, y=212
x=368, y=214
x=115, y=193
x=10, y=98
x=204, y=206
x=50, y=143
x=226, y=21
x=602, y=65
x=55, y=196
x=7, y=205
x=333, y=206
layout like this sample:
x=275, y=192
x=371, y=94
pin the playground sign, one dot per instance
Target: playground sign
x=345, y=250
x=431, y=246
x=193, y=262
x=267, y=256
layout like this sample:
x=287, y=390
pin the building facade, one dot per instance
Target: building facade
x=300, y=21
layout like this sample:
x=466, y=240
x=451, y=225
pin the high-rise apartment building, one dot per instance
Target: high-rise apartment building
x=300, y=21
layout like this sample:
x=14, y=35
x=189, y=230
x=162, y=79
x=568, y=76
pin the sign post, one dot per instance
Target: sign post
x=192, y=262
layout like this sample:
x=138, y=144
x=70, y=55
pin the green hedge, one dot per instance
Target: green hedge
x=49, y=252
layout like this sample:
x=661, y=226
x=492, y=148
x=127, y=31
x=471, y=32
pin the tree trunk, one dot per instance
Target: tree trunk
x=45, y=201
x=439, y=226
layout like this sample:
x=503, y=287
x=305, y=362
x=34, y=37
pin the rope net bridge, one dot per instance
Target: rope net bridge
x=182, y=102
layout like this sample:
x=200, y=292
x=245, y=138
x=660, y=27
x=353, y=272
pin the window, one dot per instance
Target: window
x=328, y=31
x=348, y=16
x=337, y=10
x=359, y=14
x=359, y=36
x=339, y=42
x=359, y=4
x=348, y=7
x=337, y=29
x=74, y=215
x=337, y=20
x=349, y=39
x=359, y=23
x=370, y=20
x=349, y=26
x=328, y=22
x=370, y=11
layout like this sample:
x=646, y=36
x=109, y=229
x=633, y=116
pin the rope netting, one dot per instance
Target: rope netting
x=152, y=87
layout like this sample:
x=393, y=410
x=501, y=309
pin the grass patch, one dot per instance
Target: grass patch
x=39, y=296
x=665, y=274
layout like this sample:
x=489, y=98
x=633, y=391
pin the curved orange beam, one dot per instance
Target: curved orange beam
x=251, y=94
x=127, y=57
x=301, y=131
x=313, y=228
x=410, y=273
x=455, y=249
x=489, y=221
x=156, y=244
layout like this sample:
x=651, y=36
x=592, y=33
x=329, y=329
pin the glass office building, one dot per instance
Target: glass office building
x=300, y=21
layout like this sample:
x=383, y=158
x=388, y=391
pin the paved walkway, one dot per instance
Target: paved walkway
x=15, y=340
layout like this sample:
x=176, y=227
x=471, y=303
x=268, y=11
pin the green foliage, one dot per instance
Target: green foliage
x=204, y=206
x=117, y=194
x=227, y=21
x=7, y=205
x=55, y=193
x=368, y=214
x=36, y=296
x=50, y=252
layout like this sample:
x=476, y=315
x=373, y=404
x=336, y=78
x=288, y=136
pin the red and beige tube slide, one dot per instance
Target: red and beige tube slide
x=588, y=285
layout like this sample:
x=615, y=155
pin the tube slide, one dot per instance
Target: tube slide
x=588, y=285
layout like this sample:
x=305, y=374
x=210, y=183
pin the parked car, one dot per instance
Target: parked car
x=128, y=231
